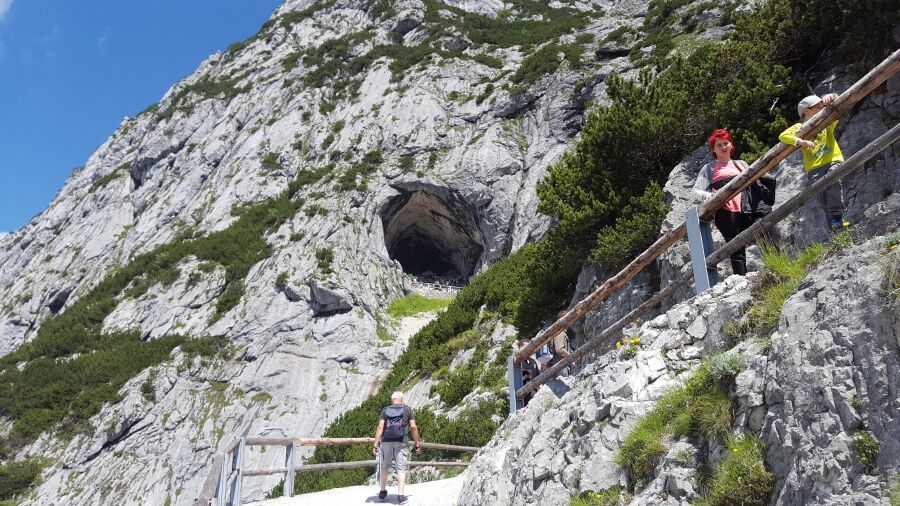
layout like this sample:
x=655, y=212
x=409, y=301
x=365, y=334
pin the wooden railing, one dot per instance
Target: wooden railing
x=232, y=472
x=843, y=104
x=437, y=286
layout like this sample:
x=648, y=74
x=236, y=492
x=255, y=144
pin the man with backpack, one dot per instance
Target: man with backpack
x=392, y=443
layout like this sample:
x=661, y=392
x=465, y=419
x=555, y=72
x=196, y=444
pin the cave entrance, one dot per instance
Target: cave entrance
x=433, y=233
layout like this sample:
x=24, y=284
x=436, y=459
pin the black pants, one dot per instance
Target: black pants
x=730, y=225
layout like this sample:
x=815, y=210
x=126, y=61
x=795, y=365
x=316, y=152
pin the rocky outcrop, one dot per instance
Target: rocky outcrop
x=829, y=374
x=565, y=440
x=833, y=374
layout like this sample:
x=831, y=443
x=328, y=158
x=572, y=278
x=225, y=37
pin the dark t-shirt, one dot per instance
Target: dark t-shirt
x=407, y=416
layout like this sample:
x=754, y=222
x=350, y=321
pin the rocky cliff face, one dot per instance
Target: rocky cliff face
x=827, y=374
x=443, y=154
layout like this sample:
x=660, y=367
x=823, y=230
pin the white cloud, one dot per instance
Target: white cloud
x=4, y=7
x=104, y=37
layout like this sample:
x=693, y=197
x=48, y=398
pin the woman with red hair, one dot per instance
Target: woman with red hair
x=714, y=175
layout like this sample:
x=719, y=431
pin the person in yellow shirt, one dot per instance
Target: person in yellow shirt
x=820, y=155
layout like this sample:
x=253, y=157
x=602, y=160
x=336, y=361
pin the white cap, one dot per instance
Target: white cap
x=397, y=396
x=806, y=103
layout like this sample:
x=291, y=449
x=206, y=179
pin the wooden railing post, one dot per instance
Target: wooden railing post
x=289, y=475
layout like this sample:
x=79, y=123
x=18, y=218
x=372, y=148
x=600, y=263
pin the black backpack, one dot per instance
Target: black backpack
x=395, y=423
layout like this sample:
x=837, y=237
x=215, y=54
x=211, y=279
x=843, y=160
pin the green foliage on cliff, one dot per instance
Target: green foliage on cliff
x=545, y=61
x=71, y=368
x=740, y=477
x=18, y=477
x=747, y=84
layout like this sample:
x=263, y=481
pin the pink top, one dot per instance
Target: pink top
x=723, y=170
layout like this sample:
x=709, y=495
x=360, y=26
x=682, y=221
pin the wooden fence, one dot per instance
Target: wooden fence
x=232, y=471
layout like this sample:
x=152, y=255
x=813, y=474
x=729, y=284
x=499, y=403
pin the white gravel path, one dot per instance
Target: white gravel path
x=431, y=493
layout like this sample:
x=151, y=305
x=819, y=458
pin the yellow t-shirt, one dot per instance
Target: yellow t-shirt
x=825, y=152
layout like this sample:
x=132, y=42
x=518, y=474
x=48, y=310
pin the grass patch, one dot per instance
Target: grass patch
x=121, y=170
x=261, y=397
x=781, y=277
x=414, y=304
x=324, y=257
x=545, y=61
x=612, y=496
x=741, y=476
x=699, y=408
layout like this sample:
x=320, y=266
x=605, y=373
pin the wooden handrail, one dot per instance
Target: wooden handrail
x=322, y=441
x=599, y=339
x=851, y=164
x=743, y=239
x=885, y=70
x=355, y=464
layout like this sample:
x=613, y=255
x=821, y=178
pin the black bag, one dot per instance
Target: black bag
x=759, y=197
x=395, y=423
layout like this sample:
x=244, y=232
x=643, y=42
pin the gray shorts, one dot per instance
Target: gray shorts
x=398, y=453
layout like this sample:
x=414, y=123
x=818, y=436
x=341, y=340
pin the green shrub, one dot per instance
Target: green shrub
x=414, y=304
x=725, y=366
x=634, y=230
x=261, y=397
x=270, y=162
x=741, y=476
x=584, y=38
x=457, y=385
x=407, y=163
x=488, y=61
x=290, y=18
x=545, y=61
x=104, y=180
x=488, y=90
x=866, y=448
x=699, y=408
x=324, y=257
x=17, y=477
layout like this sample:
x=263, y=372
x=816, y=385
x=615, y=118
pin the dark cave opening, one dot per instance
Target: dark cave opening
x=433, y=233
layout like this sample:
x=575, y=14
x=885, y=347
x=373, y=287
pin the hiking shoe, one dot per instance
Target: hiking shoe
x=402, y=499
x=382, y=495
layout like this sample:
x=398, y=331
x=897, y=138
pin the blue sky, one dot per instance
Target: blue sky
x=70, y=70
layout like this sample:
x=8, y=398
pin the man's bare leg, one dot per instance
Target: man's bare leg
x=401, y=482
x=384, y=477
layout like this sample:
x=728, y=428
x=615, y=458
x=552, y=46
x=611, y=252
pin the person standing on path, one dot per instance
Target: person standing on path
x=820, y=155
x=392, y=442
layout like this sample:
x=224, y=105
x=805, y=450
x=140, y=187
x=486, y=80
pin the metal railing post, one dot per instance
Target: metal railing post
x=221, y=494
x=515, y=382
x=238, y=463
x=289, y=475
x=700, y=239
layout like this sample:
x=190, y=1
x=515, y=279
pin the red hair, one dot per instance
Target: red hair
x=721, y=133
